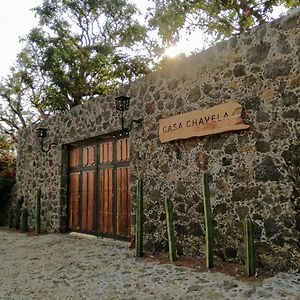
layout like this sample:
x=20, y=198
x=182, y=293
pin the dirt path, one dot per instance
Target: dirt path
x=58, y=266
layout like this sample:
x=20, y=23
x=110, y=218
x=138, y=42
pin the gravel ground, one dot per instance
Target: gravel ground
x=59, y=266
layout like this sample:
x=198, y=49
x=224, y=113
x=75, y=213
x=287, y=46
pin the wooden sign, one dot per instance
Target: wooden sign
x=220, y=118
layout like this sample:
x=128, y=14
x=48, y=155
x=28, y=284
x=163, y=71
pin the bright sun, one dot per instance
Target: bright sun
x=172, y=51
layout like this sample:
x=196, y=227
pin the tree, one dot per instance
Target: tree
x=84, y=48
x=7, y=176
x=80, y=49
x=17, y=108
x=220, y=18
x=7, y=158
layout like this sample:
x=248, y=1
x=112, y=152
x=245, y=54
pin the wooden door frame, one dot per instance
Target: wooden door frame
x=114, y=137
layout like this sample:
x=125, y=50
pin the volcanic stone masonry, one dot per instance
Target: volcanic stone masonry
x=254, y=172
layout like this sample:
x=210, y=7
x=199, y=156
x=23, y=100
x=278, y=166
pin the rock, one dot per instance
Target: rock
x=221, y=208
x=292, y=114
x=165, y=168
x=181, y=188
x=267, y=171
x=226, y=161
x=207, y=88
x=258, y=53
x=244, y=193
x=290, y=23
x=292, y=155
x=262, y=116
x=195, y=229
x=277, y=68
x=150, y=107
x=260, y=32
x=264, y=294
x=194, y=288
x=262, y=146
x=173, y=84
x=283, y=44
x=181, y=230
x=270, y=227
x=195, y=94
x=279, y=131
x=242, y=212
x=250, y=292
x=201, y=161
x=289, y=99
x=239, y=70
x=155, y=195
x=297, y=220
x=231, y=149
x=229, y=254
x=252, y=103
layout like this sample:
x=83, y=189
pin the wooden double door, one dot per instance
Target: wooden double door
x=99, y=188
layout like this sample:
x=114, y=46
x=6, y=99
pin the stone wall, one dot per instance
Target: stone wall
x=253, y=172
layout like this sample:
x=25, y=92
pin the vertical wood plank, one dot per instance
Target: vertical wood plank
x=76, y=202
x=125, y=201
x=105, y=203
x=119, y=150
x=84, y=198
x=101, y=199
x=71, y=158
x=101, y=153
x=74, y=158
x=90, y=213
x=123, y=196
x=119, y=202
x=73, y=200
x=110, y=151
x=105, y=153
x=110, y=200
x=91, y=155
x=128, y=203
x=123, y=149
x=84, y=156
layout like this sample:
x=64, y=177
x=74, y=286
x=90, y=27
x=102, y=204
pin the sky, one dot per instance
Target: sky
x=16, y=20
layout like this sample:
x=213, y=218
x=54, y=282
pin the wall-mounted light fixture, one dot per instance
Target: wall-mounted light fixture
x=41, y=133
x=122, y=104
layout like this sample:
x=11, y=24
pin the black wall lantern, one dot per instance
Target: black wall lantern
x=41, y=133
x=122, y=104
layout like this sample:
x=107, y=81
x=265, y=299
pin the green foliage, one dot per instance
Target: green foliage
x=83, y=48
x=170, y=229
x=249, y=247
x=139, y=220
x=220, y=18
x=7, y=160
x=208, y=222
x=80, y=49
x=7, y=178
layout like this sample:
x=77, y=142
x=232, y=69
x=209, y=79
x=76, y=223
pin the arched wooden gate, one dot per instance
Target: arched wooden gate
x=99, y=188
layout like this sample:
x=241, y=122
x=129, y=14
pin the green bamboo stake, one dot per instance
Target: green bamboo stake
x=249, y=247
x=170, y=229
x=139, y=220
x=24, y=219
x=208, y=222
x=38, y=212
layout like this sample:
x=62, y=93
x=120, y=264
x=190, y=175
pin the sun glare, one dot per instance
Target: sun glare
x=172, y=51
